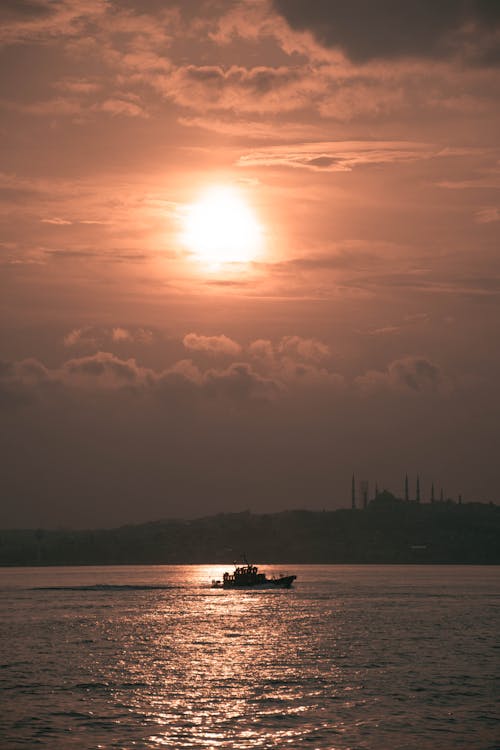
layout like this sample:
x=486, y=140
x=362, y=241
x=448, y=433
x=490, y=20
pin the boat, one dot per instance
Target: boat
x=248, y=577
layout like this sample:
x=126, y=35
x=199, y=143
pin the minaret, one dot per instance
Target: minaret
x=441, y=496
x=353, y=493
x=376, y=489
x=417, y=498
x=433, y=499
x=407, y=494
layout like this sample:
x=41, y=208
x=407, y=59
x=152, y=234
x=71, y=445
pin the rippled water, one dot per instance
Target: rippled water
x=150, y=657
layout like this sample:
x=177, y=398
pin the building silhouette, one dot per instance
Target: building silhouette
x=364, y=492
x=384, y=495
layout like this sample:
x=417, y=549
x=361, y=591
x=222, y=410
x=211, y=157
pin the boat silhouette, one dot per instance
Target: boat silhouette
x=247, y=576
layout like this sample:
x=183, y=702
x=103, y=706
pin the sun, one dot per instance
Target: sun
x=221, y=228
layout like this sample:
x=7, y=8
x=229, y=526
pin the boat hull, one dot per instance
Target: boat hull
x=283, y=582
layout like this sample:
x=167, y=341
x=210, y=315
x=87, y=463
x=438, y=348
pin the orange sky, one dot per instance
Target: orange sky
x=136, y=381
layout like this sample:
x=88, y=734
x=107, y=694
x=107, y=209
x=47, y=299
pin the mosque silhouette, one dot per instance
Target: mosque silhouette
x=385, y=497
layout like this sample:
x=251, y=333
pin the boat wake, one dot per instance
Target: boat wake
x=107, y=587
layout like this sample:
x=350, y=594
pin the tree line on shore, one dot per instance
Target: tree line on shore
x=398, y=533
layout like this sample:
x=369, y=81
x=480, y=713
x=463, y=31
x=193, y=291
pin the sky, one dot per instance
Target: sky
x=247, y=248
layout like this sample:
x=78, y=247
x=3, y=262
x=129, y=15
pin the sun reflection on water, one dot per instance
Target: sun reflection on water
x=230, y=671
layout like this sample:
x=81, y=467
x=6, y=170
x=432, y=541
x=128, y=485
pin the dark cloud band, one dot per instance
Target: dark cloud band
x=365, y=30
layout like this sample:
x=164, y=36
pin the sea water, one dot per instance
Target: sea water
x=375, y=657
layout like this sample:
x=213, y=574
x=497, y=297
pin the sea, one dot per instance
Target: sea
x=352, y=657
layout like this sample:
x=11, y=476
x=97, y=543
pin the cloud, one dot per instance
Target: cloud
x=138, y=335
x=337, y=156
x=23, y=9
x=23, y=20
x=115, y=106
x=77, y=85
x=296, y=374
x=408, y=374
x=88, y=21
x=290, y=348
x=364, y=30
x=57, y=221
x=30, y=370
x=344, y=88
x=415, y=319
x=80, y=336
x=384, y=330
x=306, y=349
x=255, y=128
x=236, y=88
x=295, y=362
x=473, y=183
x=91, y=336
x=240, y=381
x=488, y=215
x=22, y=382
x=53, y=107
x=132, y=48
x=237, y=382
x=72, y=105
x=262, y=349
x=211, y=344
x=352, y=255
x=261, y=370
x=374, y=268
x=109, y=370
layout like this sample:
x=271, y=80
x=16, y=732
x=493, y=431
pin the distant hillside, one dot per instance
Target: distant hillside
x=383, y=533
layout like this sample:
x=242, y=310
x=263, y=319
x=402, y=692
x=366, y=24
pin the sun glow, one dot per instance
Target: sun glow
x=221, y=228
